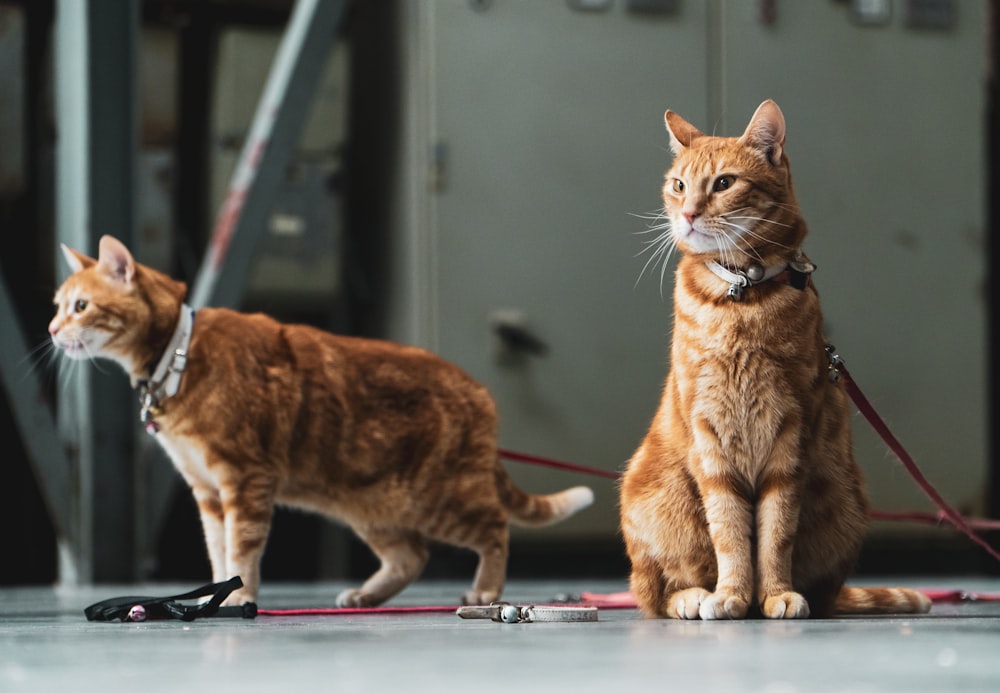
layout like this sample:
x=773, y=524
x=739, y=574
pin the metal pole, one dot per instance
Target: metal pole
x=95, y=59
x=269, y=147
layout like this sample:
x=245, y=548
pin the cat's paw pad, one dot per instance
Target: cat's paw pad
x=477, y=598
x=686, y=603
x=722, y=605
x=785, y=605
x=353, y=598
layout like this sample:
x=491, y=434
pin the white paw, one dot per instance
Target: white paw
x=686, y=604
x=785, y=605
x=722, y=605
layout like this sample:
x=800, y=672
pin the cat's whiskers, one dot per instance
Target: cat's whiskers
x=765, y=239
x=93, y=359
x=65, y=374
x=660, y=248
x=34, y=358
x=758, y=219
x=734, y=245
x=746, y=231
x=785, y=206
x=657, y=216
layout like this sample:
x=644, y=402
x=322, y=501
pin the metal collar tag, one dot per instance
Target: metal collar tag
x=503, y=612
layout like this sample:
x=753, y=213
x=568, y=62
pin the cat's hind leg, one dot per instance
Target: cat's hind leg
x=403, y=555
x=491, y=573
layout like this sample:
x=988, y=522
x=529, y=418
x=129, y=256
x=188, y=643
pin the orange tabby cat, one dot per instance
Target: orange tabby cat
x=392, y=440
x=744, y=497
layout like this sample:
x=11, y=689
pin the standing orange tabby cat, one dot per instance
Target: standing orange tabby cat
x=392, y=440
x=744, y=496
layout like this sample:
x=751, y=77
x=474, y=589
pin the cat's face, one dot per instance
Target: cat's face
x=727, y=197
x=96, y=305
x=76, y=329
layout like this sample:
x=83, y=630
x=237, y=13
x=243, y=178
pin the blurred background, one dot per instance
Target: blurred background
x=479, y=177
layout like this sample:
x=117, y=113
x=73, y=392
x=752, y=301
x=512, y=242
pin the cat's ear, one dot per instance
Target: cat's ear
x=766, y=131
x=116, y=260
x=682, y=133
x=77, y=261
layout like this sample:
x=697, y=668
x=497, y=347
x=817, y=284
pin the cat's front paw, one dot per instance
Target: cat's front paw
x=785, y=605
x=477, y=598
x=722, y=605
x=686, y=604
x=355, y=599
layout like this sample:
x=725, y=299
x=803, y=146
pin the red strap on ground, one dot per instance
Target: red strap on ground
x=601, y=601
x=358, y=611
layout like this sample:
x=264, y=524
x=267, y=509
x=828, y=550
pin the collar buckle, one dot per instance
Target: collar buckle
x=165, y=381
x=795, y=273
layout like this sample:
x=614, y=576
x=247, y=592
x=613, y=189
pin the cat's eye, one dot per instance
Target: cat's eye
x=724, y=183
x=79, y=306
x=677, y=185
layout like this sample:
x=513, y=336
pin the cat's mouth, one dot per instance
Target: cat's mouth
x=705, y=241
x=73, y=349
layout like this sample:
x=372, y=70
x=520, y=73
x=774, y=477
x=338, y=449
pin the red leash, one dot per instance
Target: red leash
x=358, y=611
x=839, y=369
x=977, y=523
x=556, y=464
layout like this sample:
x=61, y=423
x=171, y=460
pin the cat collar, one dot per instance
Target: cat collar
x=795, y=273
x=166, y=378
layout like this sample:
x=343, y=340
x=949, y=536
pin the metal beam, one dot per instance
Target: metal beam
x=32, y=413
x=95, y=67
x=270, y=145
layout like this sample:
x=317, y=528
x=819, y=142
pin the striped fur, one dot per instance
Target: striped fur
x=391, y=440
x=744, y=497
x=860, y=601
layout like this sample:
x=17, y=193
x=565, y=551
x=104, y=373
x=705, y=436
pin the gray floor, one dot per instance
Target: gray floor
x=47, y=645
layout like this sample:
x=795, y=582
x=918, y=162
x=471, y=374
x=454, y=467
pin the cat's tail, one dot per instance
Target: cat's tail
x=880, y=600
x=530, y=510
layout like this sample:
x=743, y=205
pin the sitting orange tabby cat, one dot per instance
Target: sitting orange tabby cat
x=745, y=495
x=392, y=440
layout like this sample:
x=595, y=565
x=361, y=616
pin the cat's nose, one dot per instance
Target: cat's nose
x=53, y=328
x=691, y=216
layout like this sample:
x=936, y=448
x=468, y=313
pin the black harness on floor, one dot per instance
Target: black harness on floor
x=149, y=608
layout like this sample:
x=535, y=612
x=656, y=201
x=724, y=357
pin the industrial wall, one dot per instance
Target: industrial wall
x=536, y=154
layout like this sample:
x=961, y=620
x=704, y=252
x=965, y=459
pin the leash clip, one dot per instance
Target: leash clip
x=504, y=612
x=833, y=369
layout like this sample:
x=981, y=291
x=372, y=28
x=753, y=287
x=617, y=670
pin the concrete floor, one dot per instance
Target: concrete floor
x=46, y=644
